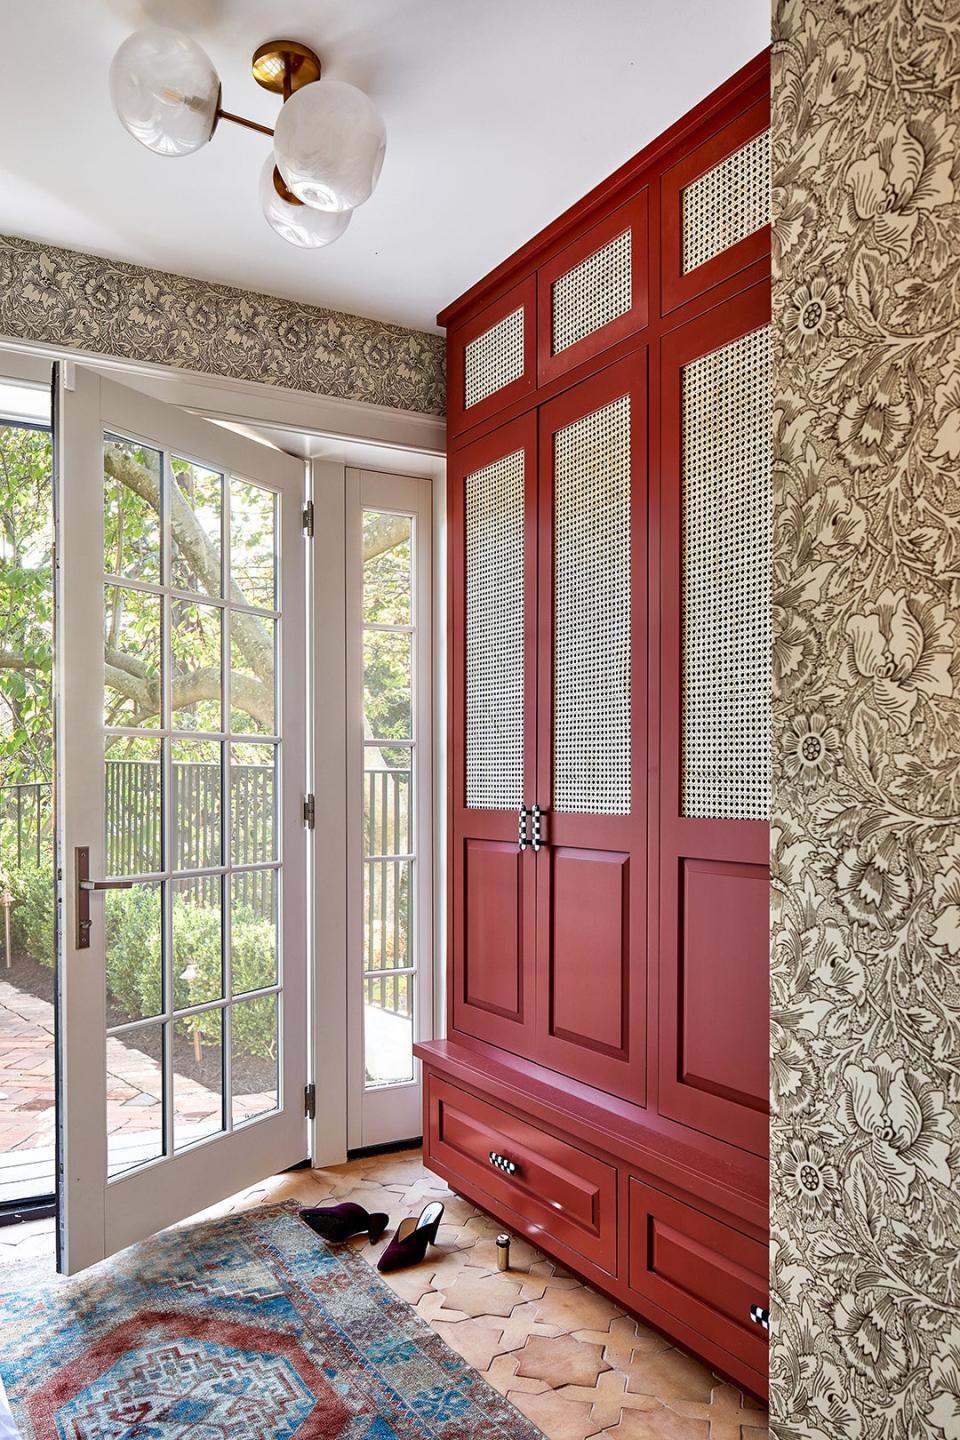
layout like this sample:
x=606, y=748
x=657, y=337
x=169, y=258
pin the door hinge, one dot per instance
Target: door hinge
x=310, y=1101
x=307, y=518
x=309, y=811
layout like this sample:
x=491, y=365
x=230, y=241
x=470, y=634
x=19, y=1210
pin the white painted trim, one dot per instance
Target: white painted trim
x=221, y=397
x=329, y=784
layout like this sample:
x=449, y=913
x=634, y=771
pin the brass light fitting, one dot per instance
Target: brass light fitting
x=280, y=66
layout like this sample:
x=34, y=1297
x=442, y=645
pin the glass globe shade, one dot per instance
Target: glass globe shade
x=299, y=224
x=329, y=144
x=165, y=90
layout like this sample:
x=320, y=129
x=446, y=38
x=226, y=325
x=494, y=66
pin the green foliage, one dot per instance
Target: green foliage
x=26, y=604
x=31, y=914
x=133, y=927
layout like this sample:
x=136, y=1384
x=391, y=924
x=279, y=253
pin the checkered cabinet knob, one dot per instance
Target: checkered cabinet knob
x=500, y=1162
x=760, y=1316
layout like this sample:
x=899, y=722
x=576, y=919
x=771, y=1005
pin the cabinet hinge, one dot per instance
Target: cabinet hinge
x=310, y=1101
x=309, y=811
x=307, y=518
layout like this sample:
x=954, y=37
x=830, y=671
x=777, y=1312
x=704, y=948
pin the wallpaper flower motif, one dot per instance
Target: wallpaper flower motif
x=866, y=832
x=67, y=298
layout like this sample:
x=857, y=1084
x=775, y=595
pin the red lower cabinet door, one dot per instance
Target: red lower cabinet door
x=591, y=786
x=713, y=513
x=705, y=1273
x=493, y=559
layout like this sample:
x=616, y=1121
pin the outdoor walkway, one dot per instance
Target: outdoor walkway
x=134, y=1093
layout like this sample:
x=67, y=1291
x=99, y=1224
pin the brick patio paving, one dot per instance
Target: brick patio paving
x=134, y=1098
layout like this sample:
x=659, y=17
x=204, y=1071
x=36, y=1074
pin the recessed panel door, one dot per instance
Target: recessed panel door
x=715, y=513
x=182, y=762
x=493, y=682
x=591, y=782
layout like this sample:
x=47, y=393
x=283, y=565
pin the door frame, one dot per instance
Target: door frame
x=333, y=434
x=394, y=1112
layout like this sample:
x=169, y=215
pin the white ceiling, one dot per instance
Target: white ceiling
x=499, y=114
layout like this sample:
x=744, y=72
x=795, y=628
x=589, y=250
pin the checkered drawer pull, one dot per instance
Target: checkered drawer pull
x=760, y=1316
x=500, y=1162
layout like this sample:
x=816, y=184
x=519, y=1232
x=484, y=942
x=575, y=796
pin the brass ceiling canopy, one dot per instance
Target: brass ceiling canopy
x=168, y=96
x=283, y=66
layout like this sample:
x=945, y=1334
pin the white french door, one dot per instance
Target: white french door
x=389, y=801
x=181, y=723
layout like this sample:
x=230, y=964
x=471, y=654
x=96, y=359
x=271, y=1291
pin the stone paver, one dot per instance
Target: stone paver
x=28, y=1096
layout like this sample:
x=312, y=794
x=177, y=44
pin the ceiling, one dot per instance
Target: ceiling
x=499, y=114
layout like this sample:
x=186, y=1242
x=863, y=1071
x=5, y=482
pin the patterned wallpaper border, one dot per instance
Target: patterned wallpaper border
x=865, y=1068
x=63, y=297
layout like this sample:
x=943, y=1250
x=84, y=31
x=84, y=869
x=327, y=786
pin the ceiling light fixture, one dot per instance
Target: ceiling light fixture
x=328, y=145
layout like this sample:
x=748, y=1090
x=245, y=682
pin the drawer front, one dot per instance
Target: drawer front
x=700, y=1270
x=571, y=1194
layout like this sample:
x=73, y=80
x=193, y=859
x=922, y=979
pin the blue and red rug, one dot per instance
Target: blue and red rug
x=245, y=1328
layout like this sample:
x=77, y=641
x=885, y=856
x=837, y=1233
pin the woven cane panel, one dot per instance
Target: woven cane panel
x=728, y=203
x=592, y=294
x=727, y=519
x=494, y=359
x=591, y=762
x=494, y=618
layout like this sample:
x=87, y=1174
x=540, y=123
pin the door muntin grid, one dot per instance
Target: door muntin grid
x=220, y=989
x=727, y=203
x=594, y=293
x=494, y=533
x=494, y=359
x=592, y=613
x=726, y=561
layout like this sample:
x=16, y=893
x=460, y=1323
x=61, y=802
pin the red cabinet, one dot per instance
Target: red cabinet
x=609, y=613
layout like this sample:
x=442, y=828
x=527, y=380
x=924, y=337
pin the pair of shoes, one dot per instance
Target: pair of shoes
x=339, y=1222
x=408, y=1246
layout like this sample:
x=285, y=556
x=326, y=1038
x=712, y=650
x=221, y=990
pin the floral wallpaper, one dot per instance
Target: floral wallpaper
x=866, y=837
x=67, y=298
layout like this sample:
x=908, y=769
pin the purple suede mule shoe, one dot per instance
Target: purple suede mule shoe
x=339, y=1222
x=409, y=1244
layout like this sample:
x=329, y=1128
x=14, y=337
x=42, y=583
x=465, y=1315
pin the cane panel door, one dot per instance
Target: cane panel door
x=492, y=517
x=715, y=514
x=591, y=782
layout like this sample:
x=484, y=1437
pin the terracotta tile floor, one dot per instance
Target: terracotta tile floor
x=571, y=1360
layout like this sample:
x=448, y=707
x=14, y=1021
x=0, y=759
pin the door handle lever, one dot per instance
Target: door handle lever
x=84, y=887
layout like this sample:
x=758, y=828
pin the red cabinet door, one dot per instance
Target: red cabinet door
x=492, y=517
x=595, y=291
x=713, y=510
x=716, y=207
x=492, y=358
x=591, y=751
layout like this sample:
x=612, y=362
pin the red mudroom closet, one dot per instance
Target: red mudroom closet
x=603, y=1085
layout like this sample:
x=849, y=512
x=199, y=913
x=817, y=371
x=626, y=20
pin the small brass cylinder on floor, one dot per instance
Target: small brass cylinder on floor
x=503, y=1252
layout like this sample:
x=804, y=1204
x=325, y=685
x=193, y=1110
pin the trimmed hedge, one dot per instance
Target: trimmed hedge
x=132, y=919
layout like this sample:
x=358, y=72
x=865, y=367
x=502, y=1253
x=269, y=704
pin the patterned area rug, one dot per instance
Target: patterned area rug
x=248, y=1327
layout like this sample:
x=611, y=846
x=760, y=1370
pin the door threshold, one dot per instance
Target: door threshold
x=362, y=1151
x=18, y=1212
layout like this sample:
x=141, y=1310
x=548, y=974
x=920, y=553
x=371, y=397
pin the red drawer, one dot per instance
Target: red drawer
x=570, y=1194
x=700, y=1270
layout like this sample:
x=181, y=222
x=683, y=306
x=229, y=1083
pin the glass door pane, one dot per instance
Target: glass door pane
x=389, y=639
